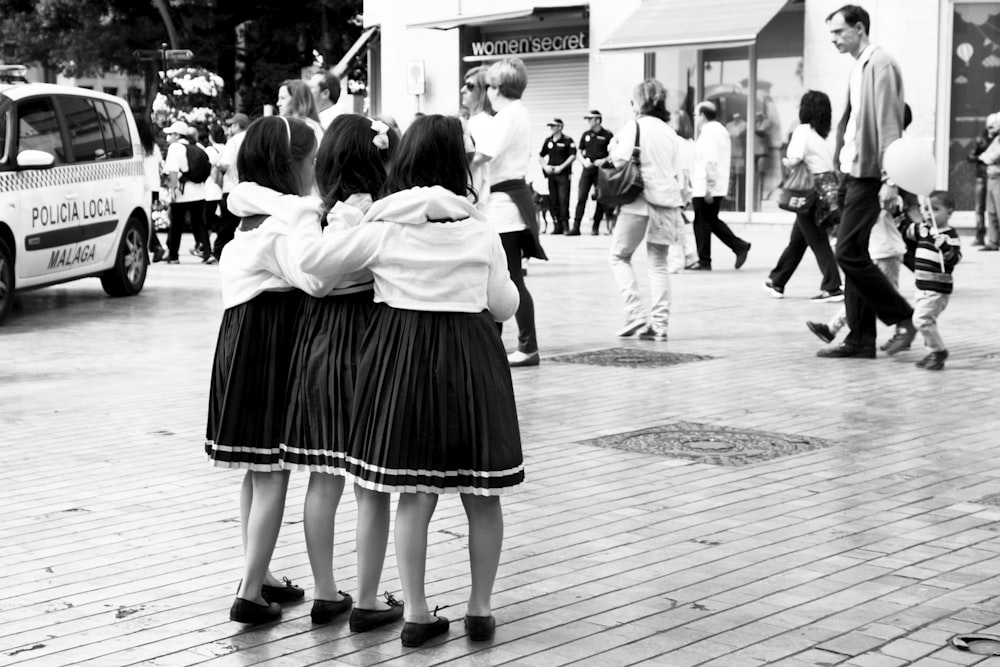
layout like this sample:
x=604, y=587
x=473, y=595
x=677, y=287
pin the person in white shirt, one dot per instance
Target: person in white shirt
x=506, y=147
x=325, y=89
x=152, y=162
x=476, y=103
x=187, y=198
x=236, y=127
x=262, y=291
x=434, y=404
x=654, y=215
x=809, y=145
x=710, y=185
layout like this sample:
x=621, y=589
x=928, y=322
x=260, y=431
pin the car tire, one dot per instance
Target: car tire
x=6, y=280
x=128, y=275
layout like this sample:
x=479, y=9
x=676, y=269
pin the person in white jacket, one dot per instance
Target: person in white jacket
x=434, y=407
x=654, y=215
x=262, y=290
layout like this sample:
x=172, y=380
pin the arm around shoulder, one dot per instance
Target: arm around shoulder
x=501, y=294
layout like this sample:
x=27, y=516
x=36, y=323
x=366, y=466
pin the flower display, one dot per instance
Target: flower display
x=190, y=94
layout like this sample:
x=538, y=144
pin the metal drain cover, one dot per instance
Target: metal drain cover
x=704, y=443
x=630, y=357
x=977, y=644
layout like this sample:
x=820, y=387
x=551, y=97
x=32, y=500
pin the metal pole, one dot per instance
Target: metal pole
x=751, y=167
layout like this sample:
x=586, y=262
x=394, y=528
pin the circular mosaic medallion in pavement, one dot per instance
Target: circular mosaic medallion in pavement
x=717, y=445
x=630, y=357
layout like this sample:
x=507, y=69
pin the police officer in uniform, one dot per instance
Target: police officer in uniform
x=593, y=153
x=557, y=155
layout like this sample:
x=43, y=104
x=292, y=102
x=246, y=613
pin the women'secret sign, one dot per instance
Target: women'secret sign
x=500, y=47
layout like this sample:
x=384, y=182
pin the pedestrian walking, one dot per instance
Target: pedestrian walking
x=710, y=184
x=808, y=144
x=186, y=173
x=873, y=120
x=654, y=215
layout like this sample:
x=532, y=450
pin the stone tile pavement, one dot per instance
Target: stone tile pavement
x=870, y=542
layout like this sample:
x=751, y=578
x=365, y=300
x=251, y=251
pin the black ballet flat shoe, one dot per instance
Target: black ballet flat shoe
x=480, y=628
x=363, y=620
x=251, y=613
x=323, y=611
x=415, y=634
x=289, y=592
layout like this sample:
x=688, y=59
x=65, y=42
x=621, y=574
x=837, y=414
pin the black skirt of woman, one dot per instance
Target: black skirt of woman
x=324, y=372
x=434, y=410
x=248, y=399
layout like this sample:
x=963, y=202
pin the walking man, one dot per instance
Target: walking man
x=236, y=127
x=557, y=155
x=873, y=120
x=593, y=153
x=710, y=183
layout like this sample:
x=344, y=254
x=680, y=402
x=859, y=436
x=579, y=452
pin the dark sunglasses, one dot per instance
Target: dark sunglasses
x=470, y=86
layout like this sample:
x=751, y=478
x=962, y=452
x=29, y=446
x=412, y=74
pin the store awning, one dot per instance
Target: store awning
x=661, y=23
x=456, y=20
x=360, y=43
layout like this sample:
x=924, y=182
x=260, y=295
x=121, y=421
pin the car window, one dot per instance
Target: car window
x=113, y=117
x=85, y=132
x=4, y=113
x=38, y=127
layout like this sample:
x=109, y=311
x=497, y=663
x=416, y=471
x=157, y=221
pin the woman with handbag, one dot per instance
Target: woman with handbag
x=808, y=146
x=654, y=213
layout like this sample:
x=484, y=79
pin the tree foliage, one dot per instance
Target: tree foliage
x=87, y=37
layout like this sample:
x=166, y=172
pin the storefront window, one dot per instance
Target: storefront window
x=975, y=91
x=779, y=88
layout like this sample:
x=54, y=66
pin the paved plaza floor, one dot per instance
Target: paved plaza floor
x=724, y=498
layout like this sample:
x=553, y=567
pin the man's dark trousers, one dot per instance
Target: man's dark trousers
x=706, y=223
x=588, y=180
x=867, y=292
x=559, y=194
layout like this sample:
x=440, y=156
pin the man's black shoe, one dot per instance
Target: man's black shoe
x=846, y=350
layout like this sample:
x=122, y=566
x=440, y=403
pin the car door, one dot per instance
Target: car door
x=97, y=170
x=49, y=209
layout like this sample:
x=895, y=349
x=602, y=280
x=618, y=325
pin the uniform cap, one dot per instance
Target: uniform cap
x=594, y=113
x=555, y=121
x=178, y=127
x=240, y=119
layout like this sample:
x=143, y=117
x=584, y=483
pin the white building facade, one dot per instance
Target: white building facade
x=589, y=55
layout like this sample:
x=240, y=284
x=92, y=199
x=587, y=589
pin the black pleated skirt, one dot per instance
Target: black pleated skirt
x=248, y=399
x=434, y=407
x=324, y=372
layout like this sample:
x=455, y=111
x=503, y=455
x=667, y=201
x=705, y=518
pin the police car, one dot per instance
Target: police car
x=73, y=198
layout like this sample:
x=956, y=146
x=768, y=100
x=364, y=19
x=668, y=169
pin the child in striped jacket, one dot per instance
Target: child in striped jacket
x=938, y=251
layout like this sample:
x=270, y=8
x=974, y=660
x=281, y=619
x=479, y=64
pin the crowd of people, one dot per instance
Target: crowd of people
x=366, y=275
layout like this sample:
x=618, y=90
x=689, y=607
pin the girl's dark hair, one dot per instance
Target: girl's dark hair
x=348, y=162
x=272, y=153
x=146, y=138
x=814, y=109
x=432, y=152
x=217, y=134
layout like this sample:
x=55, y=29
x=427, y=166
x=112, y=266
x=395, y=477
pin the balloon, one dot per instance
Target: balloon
x=910, y=164
x=964, y=52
